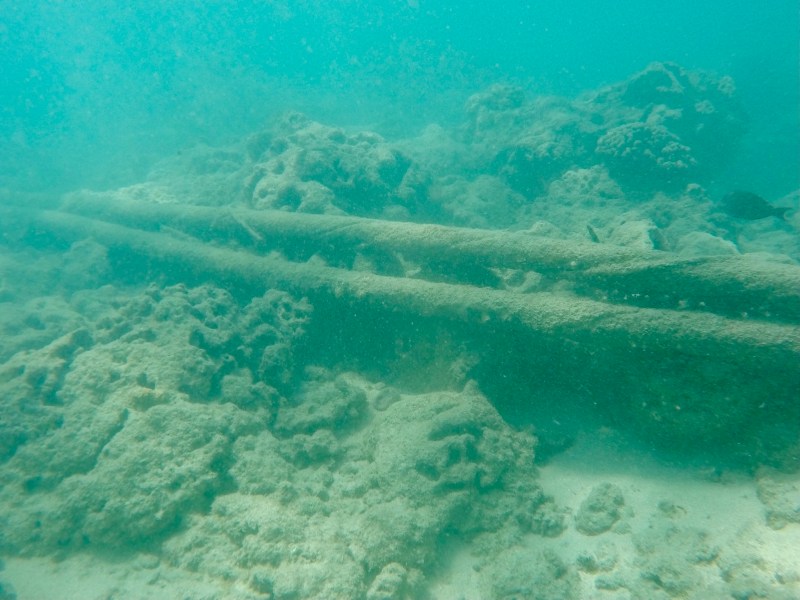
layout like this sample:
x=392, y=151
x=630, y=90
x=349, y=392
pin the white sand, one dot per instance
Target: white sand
x=724, y=505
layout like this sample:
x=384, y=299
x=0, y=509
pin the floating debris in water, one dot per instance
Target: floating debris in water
x=750, y=206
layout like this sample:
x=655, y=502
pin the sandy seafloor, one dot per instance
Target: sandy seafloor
x=679, y=511
x=169, y=439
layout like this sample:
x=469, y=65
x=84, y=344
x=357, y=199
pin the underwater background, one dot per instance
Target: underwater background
x=99, y=90
x=398, y=300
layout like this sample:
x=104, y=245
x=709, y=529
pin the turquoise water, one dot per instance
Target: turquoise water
x=99, y=91
x=399, y=300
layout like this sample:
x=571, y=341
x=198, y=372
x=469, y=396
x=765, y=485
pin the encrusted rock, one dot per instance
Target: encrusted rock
x=601, y=509
x=309, y=167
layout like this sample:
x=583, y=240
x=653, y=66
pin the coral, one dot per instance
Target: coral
x=600, y=510
x=310, y=167
x=667, y=126
x=527, y=143
x=134, y=421
x=660, y=130
x=644, y=155
x=340, y=499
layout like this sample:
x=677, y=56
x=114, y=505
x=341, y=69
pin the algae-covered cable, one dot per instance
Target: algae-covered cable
x=547, y=313
x=731, y=286
x=272, y=228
